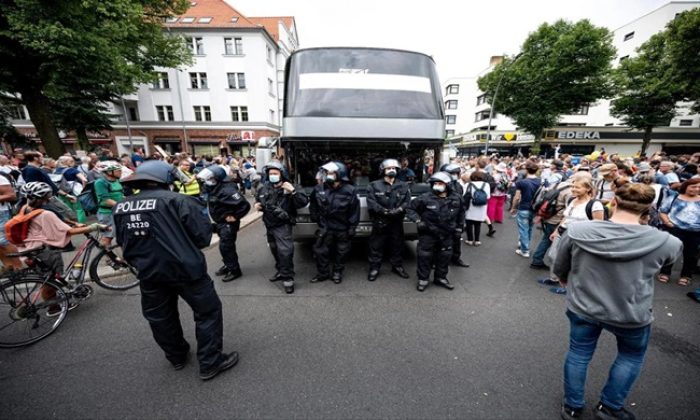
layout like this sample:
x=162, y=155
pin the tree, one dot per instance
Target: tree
x=647, y=90
x=683, y=53
x=89, y=49
x=562, y=67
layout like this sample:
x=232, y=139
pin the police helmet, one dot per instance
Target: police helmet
x=35, y=190
x=337, y=167
x=440, y=177
x=214, y=172
x=451, y=168
x=389, y=163
x=276, y=165
x=154, y=171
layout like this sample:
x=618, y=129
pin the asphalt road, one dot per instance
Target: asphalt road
x=492, y=348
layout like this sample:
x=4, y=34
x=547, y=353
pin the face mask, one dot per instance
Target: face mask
x=439, y=188
x=454, y=177
x=274, y=179
x=210, y=182
x=391, y=173
x=330, y=178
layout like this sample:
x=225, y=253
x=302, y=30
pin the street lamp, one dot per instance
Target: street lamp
x=493, y=103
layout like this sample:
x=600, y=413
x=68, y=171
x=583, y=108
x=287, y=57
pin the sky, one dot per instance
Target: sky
x=460, y=35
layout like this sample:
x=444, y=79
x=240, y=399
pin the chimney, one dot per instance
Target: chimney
x=495, y=59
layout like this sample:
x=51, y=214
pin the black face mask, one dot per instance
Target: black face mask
x=390, y=174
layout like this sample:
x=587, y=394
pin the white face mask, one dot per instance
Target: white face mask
x=210, y=182
x=454, y=177
x=274, y=179
x=330, y=178
x=439, y=188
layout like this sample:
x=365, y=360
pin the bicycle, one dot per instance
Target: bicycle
x=36, y=300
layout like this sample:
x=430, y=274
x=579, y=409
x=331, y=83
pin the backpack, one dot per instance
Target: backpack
x=548, y=206
x=478, y=195
x=538, y=197
x=88, y=198
x=17, y=228
x=589, y=208
x=61, y=182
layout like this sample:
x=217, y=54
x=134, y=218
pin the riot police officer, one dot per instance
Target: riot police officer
x=440, y=218
x=334, y=206
x=161, y=234
x=227, y=206
x=456, y=189
x=279, y=200
x=387, y=200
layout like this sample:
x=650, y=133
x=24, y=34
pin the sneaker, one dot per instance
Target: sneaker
x=525, y=254
x=477, y=243
x=222, y=271
x=539, y=267
x=570, y=413
x=546, y=281
x=229, y=361
x=558, y=290
x=603, y=412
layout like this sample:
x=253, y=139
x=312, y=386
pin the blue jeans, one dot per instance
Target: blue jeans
x=545, y=243
x=631, y=347
x=524, y=219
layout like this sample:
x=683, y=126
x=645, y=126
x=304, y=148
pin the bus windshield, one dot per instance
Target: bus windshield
x=362, y=83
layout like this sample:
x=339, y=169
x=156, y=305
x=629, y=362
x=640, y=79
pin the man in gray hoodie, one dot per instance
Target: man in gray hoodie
x=608, y=268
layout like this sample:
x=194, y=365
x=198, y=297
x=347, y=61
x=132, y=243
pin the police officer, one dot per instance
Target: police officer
x=227, y=206
x=456, y=189
x=279, y=200
x=387, y=200
x=440, y=217
x=161, y=233
x=334, y=206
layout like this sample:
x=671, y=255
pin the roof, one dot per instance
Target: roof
x=220, y=14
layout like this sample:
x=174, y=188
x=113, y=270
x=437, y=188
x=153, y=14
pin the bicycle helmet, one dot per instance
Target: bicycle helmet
x=389, y=163
x=440, y=177
x=108, y=166
x=36, y=190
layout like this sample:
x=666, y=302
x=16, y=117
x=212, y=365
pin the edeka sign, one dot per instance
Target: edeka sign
x=578, y=135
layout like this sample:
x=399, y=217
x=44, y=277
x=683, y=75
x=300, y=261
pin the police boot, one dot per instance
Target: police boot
x=373, y=274
x=444, y=283
x=337, y=277
x=459, y=263
x=400, y=272
x=222, y=271
x=422, y=284
x=318, y=278
x=288, y=286
x=275, y=277
x=232, y=275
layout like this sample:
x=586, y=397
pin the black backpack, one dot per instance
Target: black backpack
x=478, y=195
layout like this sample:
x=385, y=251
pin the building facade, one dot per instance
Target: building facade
x=468, y=119
x=229, y=97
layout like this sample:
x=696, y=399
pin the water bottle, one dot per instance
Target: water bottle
x=76, y=271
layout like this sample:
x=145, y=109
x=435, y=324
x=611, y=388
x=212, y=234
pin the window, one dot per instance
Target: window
x=187, y=20
x=685, y=123
x=165, y=113
x=272, y=116
x=623, y=58
x=234, y=19
x=198, y=81
x=236, y=80
x=452, y=89
x=202, y=113
x=162, y=82
x=233, y=46
x=17, y=112
x=268, y=52
x=451, y=104
x=270, y=87
x=449, y=133
x=482, y=115
x=628, y=36
x=582, y=110
x=133, y=114
x=195, y=45
x=451, y=119
x=204, y=20
x=481, y=99
x=239, y=113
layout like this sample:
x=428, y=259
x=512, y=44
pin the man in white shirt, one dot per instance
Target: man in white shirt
x=604, y=185
x=666, y=168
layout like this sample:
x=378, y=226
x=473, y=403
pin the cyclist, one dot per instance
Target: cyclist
x=48, y=231
x=109, y=192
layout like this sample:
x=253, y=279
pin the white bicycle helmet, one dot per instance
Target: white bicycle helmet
x=35, y=190
x=108, y=166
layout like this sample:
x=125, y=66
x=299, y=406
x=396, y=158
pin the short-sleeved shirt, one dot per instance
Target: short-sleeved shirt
x=683, y=214
x=46, y=229
x=577, y=213
x=106, y=190
x=672, y=178
x=527, y=188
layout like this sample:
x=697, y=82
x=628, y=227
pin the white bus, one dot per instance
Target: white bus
x=360, y=106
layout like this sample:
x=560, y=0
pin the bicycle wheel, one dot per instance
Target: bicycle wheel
x=109, y=270
x=30, y=309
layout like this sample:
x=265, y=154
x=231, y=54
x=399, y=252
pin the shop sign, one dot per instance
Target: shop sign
x=578, y=135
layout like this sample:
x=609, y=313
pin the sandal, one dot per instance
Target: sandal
x=663, y=278
x=684, y=281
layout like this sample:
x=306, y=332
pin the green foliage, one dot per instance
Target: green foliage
x=683, y=54
x=90, y=51
x=562, y=66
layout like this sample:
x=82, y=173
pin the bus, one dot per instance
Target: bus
x=359, y=106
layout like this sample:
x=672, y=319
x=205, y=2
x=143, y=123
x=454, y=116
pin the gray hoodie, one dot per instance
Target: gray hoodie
x=610, y=269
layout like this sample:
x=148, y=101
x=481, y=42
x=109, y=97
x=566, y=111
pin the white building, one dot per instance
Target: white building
x=228, y=98
x=467, y=124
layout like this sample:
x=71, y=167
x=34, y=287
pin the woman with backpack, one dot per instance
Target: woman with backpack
x=476, y=191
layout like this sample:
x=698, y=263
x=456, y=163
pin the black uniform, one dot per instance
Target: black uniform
x=279, y=213
x=161, y=234
x=224, y=199
x=387, y=205
x=457, y=190
x=440, y=221
x=337, y=213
